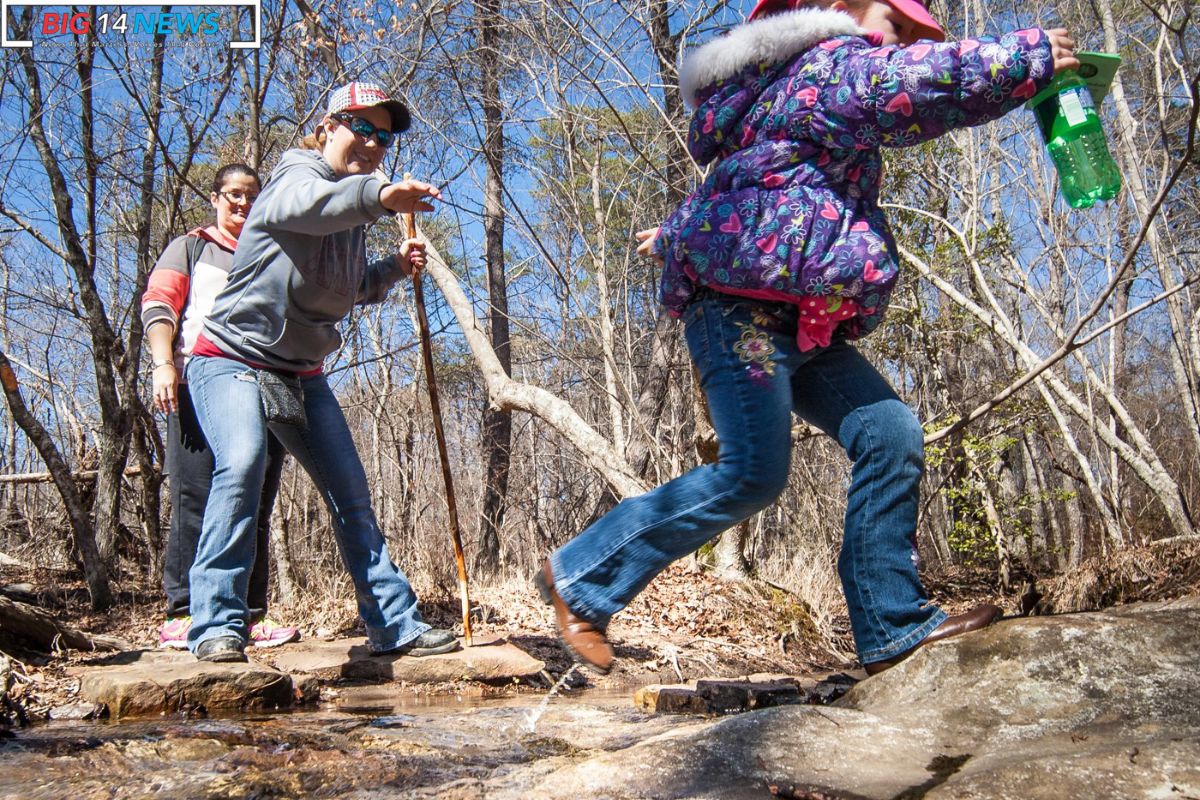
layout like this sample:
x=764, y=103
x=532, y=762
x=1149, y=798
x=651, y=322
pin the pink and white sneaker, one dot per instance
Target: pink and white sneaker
x=269, y=633
x=174, y=633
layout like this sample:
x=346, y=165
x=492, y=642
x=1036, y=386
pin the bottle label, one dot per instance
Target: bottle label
x=1075, y=103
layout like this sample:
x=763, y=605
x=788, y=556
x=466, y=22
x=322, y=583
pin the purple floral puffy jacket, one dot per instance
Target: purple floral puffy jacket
x=795, y=108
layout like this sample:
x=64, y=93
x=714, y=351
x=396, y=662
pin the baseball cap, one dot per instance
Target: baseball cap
x=926, y=26
x=357, y=95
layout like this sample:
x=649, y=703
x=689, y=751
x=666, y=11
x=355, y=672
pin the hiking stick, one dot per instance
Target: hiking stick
x=410, y=230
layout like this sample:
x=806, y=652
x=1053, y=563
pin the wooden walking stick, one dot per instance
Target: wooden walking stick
x=410, y=230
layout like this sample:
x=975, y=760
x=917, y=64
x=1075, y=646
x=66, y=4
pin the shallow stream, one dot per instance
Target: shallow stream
x=368, y=741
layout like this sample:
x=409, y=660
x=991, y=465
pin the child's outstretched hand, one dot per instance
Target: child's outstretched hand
x=1062, y=48
x=411, y=257
x=646, y=241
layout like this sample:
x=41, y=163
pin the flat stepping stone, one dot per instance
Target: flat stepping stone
x=487, y=660
x=155, y=682
x=717, y=696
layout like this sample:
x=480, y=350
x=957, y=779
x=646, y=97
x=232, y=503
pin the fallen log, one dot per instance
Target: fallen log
x=40, y=629
x=46, y=477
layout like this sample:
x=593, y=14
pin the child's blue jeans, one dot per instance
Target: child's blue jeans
x=754, y=377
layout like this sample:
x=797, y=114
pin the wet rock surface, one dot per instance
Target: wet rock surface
x=151, y=682
x=486, y=660
x=1099, y=705
x=154, y=682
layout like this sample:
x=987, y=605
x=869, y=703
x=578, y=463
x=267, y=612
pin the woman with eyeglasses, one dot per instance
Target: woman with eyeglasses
x=178, y=296
x=300, y=267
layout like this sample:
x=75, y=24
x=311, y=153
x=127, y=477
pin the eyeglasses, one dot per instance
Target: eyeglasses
x=237, y=198
x=360, y=127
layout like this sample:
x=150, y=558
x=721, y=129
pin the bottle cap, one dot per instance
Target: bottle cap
x=1095, y=69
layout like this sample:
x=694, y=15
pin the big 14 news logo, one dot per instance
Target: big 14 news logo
x=150, y=23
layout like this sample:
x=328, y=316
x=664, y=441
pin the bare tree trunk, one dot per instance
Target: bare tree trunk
x=729, y=552
x=1044, y=522
x=104, y=342
x=497, y=422
x=652, y=399
x=116, y=427
x=665, y=45
x=405, y=447
x=611, y=390
x=281, y=551
x=1076, y=525
x=991, y=513
x=119, y=428
x=1116, y=375
x=1194, y=338
x=149, y=511
x=381, y=387
x=84, y=536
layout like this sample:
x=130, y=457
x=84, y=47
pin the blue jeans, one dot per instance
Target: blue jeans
x=754, y=377
x=226, y=396
x=189, y=468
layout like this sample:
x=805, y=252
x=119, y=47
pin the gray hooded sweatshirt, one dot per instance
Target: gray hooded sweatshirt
x=300, y=266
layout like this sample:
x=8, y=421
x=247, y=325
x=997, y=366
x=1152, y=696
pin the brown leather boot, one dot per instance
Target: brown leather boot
x=978, y=617
x=583, y=640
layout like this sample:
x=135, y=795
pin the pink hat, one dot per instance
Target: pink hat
x=356, y=95
x=765, y=8
x=926, y=27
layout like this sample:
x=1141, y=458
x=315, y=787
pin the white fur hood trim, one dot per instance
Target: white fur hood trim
x=771, y=39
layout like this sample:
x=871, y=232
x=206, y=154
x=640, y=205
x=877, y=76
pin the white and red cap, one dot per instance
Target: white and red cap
x=925, y=26
x=357, y=95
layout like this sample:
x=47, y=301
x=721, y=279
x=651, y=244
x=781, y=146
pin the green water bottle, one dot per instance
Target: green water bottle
x=1066, y=114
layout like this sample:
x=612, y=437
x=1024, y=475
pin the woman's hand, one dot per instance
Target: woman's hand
x=646, y=240
x=406, y=196
x=411, y=257
x=1062, y=49
x=165, y=382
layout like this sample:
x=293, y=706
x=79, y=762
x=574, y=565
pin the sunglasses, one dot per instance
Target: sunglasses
x=360, y=127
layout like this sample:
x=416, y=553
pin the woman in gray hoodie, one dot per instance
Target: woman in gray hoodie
x=300, y=267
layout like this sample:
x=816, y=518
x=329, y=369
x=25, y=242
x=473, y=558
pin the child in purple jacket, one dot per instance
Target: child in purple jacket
x=776, y=263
